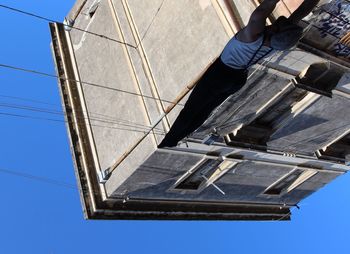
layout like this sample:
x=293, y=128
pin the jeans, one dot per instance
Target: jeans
x=215, y=86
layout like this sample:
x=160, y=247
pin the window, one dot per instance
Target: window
x=289, y=182
x=204, y=174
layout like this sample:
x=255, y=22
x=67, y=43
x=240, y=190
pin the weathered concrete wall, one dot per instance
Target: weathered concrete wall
x=243, y=106
x=118, y=119
x=307, y=126
x=243, y=183
x=183, y=38
x=315, y=127
x=262, y=86
x=170, y=54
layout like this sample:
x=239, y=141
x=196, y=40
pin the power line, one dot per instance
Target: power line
x=38, y=178
x=66, y=25
x=42, y=179
x=27, y=99
x=82, y=82
x=139, y=127
x=114, y=40
x=64, y=121
x=61, y=113
x=152, y=21
x=94, y=115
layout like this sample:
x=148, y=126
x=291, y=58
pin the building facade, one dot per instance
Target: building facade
x=127, y=67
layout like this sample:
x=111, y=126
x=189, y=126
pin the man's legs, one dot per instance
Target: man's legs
x=192, y=116
x=214, y=87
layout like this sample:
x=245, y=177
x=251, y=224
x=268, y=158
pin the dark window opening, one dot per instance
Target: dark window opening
x=259, y=131
x=339, y=151
x=320, y=78
x=284, y=183
x=200, y=176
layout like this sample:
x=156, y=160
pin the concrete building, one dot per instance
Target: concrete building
x=126, y=73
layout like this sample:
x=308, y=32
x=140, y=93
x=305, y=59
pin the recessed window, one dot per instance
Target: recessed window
x=289, y=182
x=203, y=175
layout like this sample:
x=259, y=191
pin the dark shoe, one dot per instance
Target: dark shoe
x=166, y=144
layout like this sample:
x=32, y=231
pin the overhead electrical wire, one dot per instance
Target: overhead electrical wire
x=27, y=99
x=111, y=39
x=81, y=82
x=103, y=116
x=66, y=185
x=111, y=123
x=58, y=111
x=84, y=83
x=61, y=113
x=42, y=179
x=38, y=178
x=151, y=23
x=66, y=25
x=65, y=121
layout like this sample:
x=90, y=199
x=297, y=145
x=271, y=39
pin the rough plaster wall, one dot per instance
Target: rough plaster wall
x=79, y=4
x=260, y=88
x=103, y=62
x=242, y=107
x=243, y=183
x=130, y=165
x=184, y=37
x=176, y=51
x=315, y=127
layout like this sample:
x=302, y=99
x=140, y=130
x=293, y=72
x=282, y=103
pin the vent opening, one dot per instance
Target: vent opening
x=93, y=9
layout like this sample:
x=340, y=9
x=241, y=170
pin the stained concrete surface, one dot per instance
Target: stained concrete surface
x=245, y=182
x=242, y=107
x=318, y=125
x=103, y=62
x=175, y=53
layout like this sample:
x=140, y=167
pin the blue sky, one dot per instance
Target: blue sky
x=41, y=217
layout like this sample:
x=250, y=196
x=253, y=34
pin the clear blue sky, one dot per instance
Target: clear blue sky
x=39, y=217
